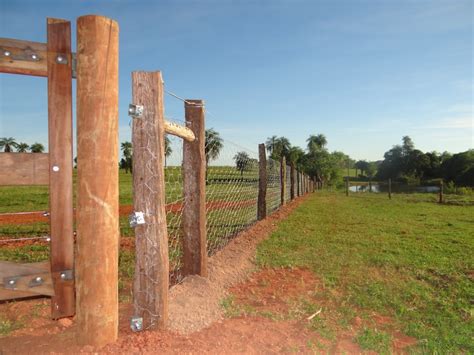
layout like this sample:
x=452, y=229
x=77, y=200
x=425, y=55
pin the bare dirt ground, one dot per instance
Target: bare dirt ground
x=197, y=320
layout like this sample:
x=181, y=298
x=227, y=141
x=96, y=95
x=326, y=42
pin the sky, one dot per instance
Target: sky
x=362, y=72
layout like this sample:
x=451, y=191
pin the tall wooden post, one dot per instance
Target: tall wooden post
x=292, y=181
x=262, y=183
x=97, y=189
x=298, y=192
x=151, y=282
x=59, y=63
x=347, y=186
x=441, y=191
x=390, y=188
x=194, y=181
x=282, y=180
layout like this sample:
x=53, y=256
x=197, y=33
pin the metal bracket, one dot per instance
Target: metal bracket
x=136, y=111
x=136, y=324
x=136, y=218
x=66, y=275
x=27, y=55
x=10, y=282
x=74, y=65
x=37, y=281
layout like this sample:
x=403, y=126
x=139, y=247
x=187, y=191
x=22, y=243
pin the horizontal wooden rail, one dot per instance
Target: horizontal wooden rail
x=24, y=169
x=24, y=276
x=28, y=58
x=180, y=131
x=23, y=57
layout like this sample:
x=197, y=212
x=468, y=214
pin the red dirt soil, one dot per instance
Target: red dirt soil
x=196, y=313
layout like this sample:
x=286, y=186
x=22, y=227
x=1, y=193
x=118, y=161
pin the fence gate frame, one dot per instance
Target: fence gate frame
x=53, y=60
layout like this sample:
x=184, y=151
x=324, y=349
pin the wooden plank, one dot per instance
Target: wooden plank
x=151, y=283
x=60, y=162
x=24, y=169
x=194, y=185
x=16, y=57
x=262, y=183
x=180, y=131
x=8, y=269
x=97, y=175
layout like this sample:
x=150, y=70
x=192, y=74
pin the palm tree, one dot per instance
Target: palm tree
x=126, y=161
x=7, y=144
x=316, y=142
x=168, y=149
x=242, y=161
x=271, y=143
x=294, y=155
x=278, y=147
x=37, y=148
x=213, y=145
x=22, y=147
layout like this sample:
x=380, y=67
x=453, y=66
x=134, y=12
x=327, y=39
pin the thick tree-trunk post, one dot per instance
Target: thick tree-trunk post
x=292, y=181
x=262, y=183
x=390, y=188
x=194, y=182
x=441, y=188
x=282, y=180
x=97, y=191
x=60, y=165
x=151, y=281
x=347, y=186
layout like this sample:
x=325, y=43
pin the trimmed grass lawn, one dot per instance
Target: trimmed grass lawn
x=407, y=258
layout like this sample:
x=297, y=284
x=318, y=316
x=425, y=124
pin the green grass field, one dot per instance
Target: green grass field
x=407, y=258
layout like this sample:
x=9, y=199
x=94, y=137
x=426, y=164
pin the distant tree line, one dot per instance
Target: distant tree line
x=9, y=143
x=404, y=162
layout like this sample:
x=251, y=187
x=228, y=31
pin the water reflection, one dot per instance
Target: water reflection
x=377, y=188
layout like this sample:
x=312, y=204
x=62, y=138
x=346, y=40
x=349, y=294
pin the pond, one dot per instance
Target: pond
x=377, y=188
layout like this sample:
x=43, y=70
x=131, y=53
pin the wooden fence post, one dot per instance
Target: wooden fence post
x=282, y=180
x=298, y=192
x=97, y=190
x=59, y=63
x=151, y=281
x=194, y=181
x=390, y=188
x=347, y=186
x=292, y=181
x=441, y=191
x=262, y=183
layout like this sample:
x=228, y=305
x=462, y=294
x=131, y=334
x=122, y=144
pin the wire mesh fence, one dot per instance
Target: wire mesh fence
x=273, y=185
x=288, y=183
x=231, y=190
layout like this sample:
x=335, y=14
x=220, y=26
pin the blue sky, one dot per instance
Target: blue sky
x=364, y=73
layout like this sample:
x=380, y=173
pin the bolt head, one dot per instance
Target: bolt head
x=6, y=53
x=48, y=239
x=55, y=168
x=11, y=282
x=34, y=57
x=62, y=275
x=60, y=59
x=38, y=279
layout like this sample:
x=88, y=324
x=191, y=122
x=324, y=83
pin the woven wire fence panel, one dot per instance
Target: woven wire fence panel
x=273, y=185
x=24, y=236
x=174, y=204
x=288, y=184
x=231, y=190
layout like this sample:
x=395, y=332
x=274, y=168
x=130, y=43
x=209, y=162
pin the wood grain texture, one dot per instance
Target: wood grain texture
x=262, y=183
x=179, y=131
x=19, y=61
x=60, y=157
x=151, y=283
x=24, y=169
x=194, y=181
x=97, y=187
